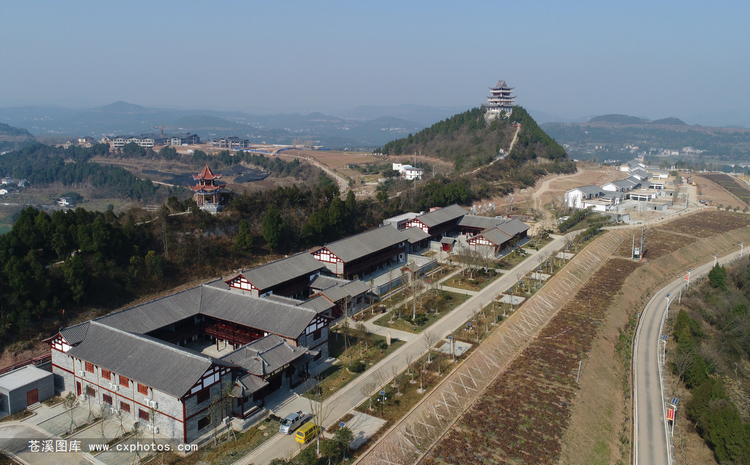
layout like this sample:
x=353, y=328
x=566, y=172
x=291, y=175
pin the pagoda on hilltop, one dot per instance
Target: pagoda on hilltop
x=500, y=100
x=208, y=190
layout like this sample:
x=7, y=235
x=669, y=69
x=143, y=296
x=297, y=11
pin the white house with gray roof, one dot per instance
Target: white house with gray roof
x=575, y=197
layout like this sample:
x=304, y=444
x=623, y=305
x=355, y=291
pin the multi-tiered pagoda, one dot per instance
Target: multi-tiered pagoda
x=208, y=190
x=500, y=100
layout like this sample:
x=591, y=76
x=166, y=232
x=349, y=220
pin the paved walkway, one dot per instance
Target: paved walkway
x=352, y=394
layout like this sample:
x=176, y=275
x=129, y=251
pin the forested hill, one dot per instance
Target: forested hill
x=42, y=165
x=468, y=141
x=12, y=138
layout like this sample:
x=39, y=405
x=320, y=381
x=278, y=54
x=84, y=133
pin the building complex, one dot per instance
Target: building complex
x=167, y=363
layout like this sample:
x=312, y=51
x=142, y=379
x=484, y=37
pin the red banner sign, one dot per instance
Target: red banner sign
x=670, y=414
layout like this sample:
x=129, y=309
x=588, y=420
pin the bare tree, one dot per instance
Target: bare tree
x=70, y=402
x=430, y=339
x=409, y=358
x=105, y=414
x=320, y=412
x=364, y=335
x=366, y=390
x=683, y=362
x=396, y=382
x=137, y=435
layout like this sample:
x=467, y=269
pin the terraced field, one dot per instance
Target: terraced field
x=730, y=184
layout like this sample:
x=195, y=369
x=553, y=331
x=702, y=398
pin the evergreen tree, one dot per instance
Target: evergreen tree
x=272, y=226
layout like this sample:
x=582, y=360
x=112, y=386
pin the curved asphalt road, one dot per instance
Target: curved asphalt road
x=650, y=426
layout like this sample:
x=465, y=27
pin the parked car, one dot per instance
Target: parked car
x=293, y=421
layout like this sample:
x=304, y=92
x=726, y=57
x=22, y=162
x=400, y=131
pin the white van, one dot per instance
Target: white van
x=293, y=421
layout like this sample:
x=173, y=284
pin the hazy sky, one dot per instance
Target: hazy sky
x=565, y=58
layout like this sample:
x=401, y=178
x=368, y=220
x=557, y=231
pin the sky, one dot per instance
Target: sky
x=570, y=59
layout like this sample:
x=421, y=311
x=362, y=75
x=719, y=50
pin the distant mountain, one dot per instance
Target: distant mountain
x=621, y=119
x=671, y=121
x=122, y=118
x=13, y=138
x=620, y=137
x=422, y=114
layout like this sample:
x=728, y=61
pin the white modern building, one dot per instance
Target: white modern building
x=408, y=171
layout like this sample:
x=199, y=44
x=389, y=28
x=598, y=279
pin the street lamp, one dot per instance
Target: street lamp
x=742, y=246
x=715, y=255
x=667, y=312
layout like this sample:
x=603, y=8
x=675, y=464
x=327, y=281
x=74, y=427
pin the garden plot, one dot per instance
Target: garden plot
x=539, y=276
x=459, y=348
x=511, y=299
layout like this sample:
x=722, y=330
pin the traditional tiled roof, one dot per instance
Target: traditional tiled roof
x=280, y=271
x=265, y=355
x=444, y=215
x=207, y=173
x=496, y=236
x=513, y=226
x=414, y=235
x=364, y=244
x=269, y=316
x=136, y=355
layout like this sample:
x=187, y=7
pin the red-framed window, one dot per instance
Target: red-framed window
x=125, y=382
x=107, y=399
x=142, y=389
x=106, y=374
x=125, y=407
x=89, y=367
x=142, y=414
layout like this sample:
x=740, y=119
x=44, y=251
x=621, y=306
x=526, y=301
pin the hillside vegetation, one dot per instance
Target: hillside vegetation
x=473, y=146
x=712, y=335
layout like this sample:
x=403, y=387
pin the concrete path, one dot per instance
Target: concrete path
x=15, y=440
x=358, y=390
x=650, y=426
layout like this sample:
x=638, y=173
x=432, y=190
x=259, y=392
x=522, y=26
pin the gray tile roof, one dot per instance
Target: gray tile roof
x=414, y=235
x=280, y=271
x=513, y=226
x=364, y=244
x=156, y=314
x=319, y=304
x=264, y=314
x=265, y=355
x=324, y=282
x=496, y=236
x=483, y=222
x=75, y=334
x=136, y=356
x=590, y=190
x=444, y=215
x=247, y=385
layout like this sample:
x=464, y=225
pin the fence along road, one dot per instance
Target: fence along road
x=413, y=436
x=651, y=440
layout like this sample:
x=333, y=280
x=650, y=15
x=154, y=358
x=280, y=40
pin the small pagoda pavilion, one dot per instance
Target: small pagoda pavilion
x=208, y=190
x=500, y=100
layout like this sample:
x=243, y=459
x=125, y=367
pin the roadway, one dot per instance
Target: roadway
x=352, y=395
x=650, y=426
